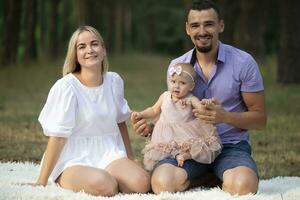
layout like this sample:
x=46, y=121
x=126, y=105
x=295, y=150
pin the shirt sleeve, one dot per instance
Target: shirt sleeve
x=57, y=117
x=251, y=77
x=123, y=110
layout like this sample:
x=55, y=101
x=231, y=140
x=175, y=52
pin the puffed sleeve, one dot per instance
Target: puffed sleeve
x=57, y=117
x=123, y=110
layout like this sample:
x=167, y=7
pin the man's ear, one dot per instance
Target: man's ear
x=221, y=26
x=187, y=28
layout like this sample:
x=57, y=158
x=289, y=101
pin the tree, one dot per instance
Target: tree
x=289, y=47
x=229, y=12
x=11, y=21
x=53, y=24
x=251, y=27
x=30, y=26
x=118, y=23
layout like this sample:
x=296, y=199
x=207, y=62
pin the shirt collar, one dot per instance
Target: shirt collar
x=221, y=53
x=220, y=58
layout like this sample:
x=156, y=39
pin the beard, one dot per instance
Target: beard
x=208, y=47
x=204, y=49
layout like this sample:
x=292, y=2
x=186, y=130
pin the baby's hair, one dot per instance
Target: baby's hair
x=187, y=67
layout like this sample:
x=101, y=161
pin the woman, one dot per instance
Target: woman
x=84, y=117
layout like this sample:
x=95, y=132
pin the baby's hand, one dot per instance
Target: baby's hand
x=182, y=157
x=136, y=115
x=207, y=102
x=180, y=160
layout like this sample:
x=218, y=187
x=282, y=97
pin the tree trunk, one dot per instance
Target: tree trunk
x=289, y=47
x=229, y=12
x=250, y=33
x=81, y=10
x=53, y=32
x=12, y=17
x=187, y=45
x=127, y=26
x=66, y=29
x=30, y=25
x=43, y=26
x=118, y=23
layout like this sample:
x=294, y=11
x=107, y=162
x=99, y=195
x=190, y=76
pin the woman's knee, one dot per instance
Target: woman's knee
x=137, y=183
x=141, y=183
x=102, y=186
x=168, y=179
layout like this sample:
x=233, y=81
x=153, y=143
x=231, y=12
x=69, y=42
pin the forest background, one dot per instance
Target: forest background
x=142, y=36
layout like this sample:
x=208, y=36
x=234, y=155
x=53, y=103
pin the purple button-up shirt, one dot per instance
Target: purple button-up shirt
x=235, y=71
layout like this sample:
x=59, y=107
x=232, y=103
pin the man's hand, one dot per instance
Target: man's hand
x=212, y=112
x=140, y=125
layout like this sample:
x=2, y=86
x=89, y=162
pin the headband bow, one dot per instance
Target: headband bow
x=175, y=70
x=178, y=70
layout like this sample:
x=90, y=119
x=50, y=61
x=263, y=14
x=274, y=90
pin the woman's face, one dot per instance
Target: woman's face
x=90, y=52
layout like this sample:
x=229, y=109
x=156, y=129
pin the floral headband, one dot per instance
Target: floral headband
x=178, y=70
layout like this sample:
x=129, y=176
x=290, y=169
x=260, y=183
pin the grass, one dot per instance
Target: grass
x=24, y=89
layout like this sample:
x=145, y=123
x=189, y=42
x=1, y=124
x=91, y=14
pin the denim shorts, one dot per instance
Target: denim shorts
x=232, y=155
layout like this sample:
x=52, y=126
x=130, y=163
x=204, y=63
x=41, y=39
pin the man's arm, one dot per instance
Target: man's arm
x=254, y=118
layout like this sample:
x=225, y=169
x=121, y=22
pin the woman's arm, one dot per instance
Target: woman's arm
x=125, y=136
x=52, y=153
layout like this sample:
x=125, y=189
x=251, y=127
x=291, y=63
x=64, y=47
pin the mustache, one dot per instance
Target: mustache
x=207, y=36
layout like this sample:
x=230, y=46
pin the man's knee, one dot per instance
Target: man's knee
x=241, y=181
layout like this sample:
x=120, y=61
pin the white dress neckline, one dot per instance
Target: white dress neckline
x=88, y=87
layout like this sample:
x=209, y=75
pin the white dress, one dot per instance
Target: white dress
x=88, y=117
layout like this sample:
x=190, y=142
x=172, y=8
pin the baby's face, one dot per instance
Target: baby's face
x=180, y=85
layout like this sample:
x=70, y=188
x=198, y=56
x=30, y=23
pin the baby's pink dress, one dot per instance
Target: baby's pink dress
x=178, y=131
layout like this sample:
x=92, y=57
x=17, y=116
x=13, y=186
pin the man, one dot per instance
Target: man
x=232, y=78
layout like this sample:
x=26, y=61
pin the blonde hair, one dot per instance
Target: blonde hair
x=71, y=64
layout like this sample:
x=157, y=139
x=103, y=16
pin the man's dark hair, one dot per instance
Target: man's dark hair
x=203, y=5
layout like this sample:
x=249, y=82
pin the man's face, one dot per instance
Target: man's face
x=204, y=28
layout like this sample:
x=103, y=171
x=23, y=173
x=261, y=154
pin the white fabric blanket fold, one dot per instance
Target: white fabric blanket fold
x=278, y=188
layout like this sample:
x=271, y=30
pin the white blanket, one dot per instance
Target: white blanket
x=278, y=188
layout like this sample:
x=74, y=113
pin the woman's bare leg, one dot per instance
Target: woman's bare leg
x=169, y=178
x=130, y=176
x=88, y=179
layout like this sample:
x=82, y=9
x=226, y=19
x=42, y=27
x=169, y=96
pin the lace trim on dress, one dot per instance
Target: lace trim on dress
x=209, y=147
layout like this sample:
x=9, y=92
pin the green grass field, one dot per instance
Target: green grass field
x=24, y=89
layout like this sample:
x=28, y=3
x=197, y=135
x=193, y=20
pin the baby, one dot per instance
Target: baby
x=177, y=133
